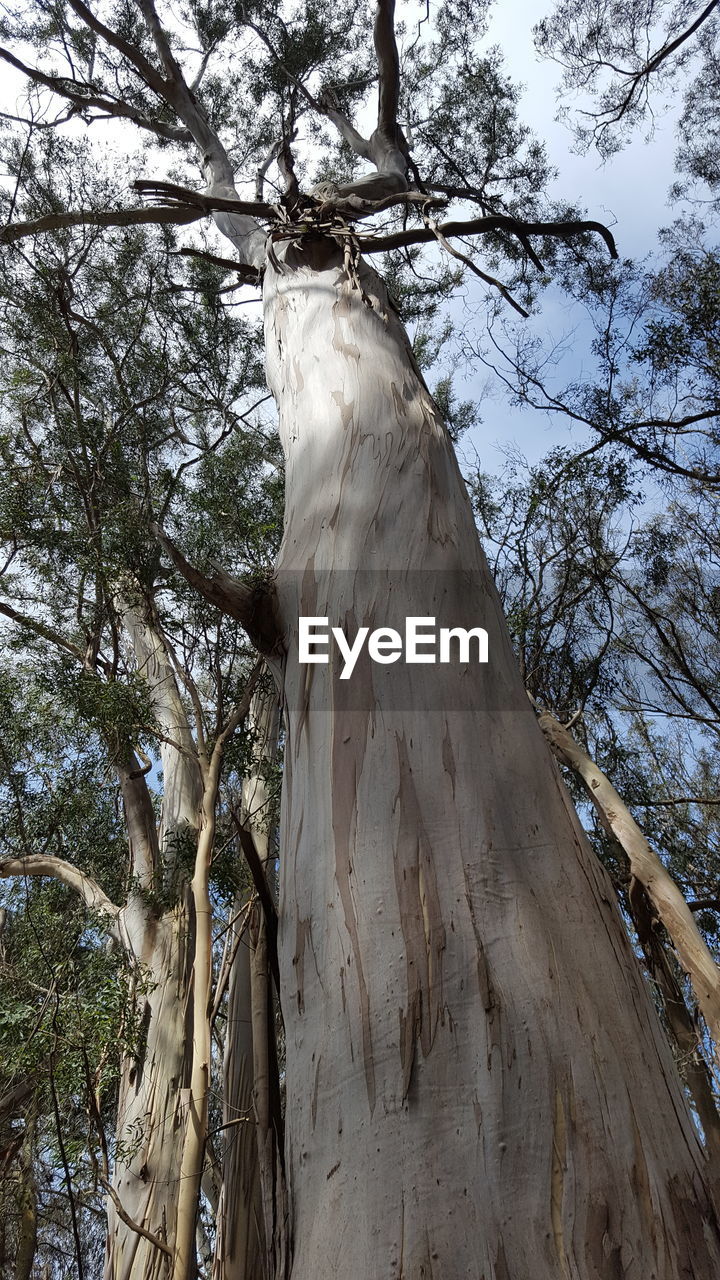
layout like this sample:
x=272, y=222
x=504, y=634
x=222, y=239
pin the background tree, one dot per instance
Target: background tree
x=115, y=408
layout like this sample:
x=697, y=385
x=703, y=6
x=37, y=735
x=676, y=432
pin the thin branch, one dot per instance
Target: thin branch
x=124, y=1216
x=93, y=218
x=492, y=222
x=128, y=50
x=248, y=274
x=40, y=629
x=83, y=96
x=104, y=1174
x=240, y=710
x=66, y=1169
x=45, y=865
x=468, y=262
x=653, y=63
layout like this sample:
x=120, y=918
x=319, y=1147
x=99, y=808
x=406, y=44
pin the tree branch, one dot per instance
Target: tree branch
x=248, y=274
x=251, y=606
x=388, y=68
x=468, y=262
x=176, y=214
x=46, y=633
x=492, y=222
x=169, y=192
x=130, y=51
x=653, y=63
x=45, y=865
x=241, y=710
x=85, y=95
x=172, y=88
x=124, y=1216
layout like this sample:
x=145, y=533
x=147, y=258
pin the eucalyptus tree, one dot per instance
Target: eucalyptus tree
x=131, y=397
x=463, y=1096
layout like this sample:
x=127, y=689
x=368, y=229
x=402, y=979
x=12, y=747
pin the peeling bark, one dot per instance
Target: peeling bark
x=477, y=1083
x=156, y=1103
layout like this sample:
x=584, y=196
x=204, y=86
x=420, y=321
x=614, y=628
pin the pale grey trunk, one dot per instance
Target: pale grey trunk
x=477, y=1084
x=682, y=1025
x=151, y=1118
x=153, y=1101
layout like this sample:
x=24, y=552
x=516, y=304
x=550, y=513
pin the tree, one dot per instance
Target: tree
x=110, y=410
x=463, y=1097
x=613, y=630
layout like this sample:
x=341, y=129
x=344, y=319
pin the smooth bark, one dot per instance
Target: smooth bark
x=152, y=1104
x=477, y=1083
x=240, y=1244
x=156, y=1104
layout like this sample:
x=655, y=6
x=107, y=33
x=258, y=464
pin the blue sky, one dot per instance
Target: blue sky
x=629, y=193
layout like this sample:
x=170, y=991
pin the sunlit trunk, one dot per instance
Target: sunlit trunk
x=152, y=1103
x=477, y=1083
x=160, y=927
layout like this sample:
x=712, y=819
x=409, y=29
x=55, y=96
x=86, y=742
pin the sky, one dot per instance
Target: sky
x=629, y=193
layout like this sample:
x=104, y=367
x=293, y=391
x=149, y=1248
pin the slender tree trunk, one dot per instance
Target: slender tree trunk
x=672, y=909
x=683, y=1027
x=240, y=1242
x=239, y=1246
x=477, y=1083
x=196, y=1120
x=152, y=1102
x=157, y=1099
x=266, y=1105
x=27, y=1205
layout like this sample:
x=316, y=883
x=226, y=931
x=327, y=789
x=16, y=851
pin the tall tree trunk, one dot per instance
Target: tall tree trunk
x=477, y=1083
x=151, y=1103
x=672, y=909
x=683, y=1027
x=239, y=1246
x=156, y=1103
x=240, y=1242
